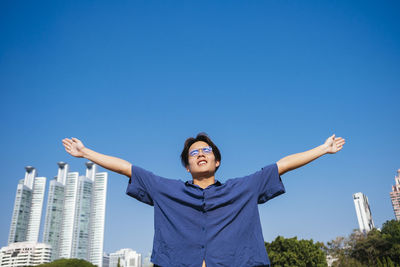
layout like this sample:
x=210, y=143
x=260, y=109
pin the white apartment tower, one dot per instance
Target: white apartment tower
x=363, y=211
x=126, y=258
x=25, y=254
x=98, y=212
x=68, y=218
x=76, y=214
x=27, y=213
x=55, y=208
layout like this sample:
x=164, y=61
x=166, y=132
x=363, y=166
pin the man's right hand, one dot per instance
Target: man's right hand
x=74, y=147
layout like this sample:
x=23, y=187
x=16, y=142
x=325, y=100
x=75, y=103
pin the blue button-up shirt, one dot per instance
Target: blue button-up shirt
x=219, y=224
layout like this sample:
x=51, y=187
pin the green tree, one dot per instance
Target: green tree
x=377, y=248
x=370, y=248
x=392, y=230
x=391, y=233
x=344, y=261
x=68, y=263
x=292, y=252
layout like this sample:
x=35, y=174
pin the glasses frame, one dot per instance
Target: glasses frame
x=205, y=150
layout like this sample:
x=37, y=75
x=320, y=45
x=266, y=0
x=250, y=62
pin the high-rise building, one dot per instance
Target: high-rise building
x=126, y=257
x=97, y=217
x=80, y=246
x=39, y=187
x=76, y=214
x=27, y=213
x=363, y=211
x=395, y=196
x=25, y=254
x=55, y=208
x=68, y=218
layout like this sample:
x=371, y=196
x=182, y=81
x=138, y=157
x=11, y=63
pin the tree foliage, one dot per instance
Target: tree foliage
x=284, y=252
x=377, y=248
x=68, y=263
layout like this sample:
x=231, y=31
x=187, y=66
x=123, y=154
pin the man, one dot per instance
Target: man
x=204, y=222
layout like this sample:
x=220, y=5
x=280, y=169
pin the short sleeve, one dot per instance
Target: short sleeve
x=142, y=185
x=267, y=183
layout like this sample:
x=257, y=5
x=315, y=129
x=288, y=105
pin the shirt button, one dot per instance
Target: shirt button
x=202, y=246
x=203, y=228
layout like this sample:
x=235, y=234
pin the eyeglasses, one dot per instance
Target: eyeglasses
x=195, y=152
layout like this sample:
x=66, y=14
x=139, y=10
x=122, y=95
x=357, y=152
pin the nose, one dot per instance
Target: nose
x=200, y=152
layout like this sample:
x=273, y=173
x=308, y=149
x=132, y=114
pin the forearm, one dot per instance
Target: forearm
x=295, y=161
x=111, y=163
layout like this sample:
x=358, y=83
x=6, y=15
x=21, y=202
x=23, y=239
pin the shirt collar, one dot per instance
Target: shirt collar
x=190, y=183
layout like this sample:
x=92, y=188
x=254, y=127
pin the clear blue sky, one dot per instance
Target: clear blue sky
x=264, y=79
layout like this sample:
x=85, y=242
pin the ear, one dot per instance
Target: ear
x=187, y=168
x=217, y=164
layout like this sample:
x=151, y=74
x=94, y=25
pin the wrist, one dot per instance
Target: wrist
x=85, y=152
x=324, y=148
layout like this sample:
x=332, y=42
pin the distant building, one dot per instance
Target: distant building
x=147, y=261
x=55, y=208
x=330, y=260
x=106, y=260
x=25, y=254
x=395, y=196
x=97, y=216
x=363, y=211
x=75, y=214
x=126, y=258
x=28, y=204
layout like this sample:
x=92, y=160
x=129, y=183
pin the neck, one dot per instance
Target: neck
x=204, y=182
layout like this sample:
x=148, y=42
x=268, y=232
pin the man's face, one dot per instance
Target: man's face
x=203, y=163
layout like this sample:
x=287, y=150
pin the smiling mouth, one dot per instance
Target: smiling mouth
x=202, y=162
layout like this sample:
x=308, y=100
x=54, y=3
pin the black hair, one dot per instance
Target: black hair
x=190, y=141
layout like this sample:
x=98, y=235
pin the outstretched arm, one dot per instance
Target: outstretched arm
x=332, y=145
x=76, y=148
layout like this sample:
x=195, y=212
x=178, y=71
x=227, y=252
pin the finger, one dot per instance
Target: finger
x=66, y=144
x=341, y=141
x=66, y=141
x=75, y=139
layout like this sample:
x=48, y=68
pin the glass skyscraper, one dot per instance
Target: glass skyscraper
x=98, y=218
x=55, y=207
x=27, y=213
x=82, y=218
x=76, y=214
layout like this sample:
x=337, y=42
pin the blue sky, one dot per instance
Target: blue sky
x=264, y=79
